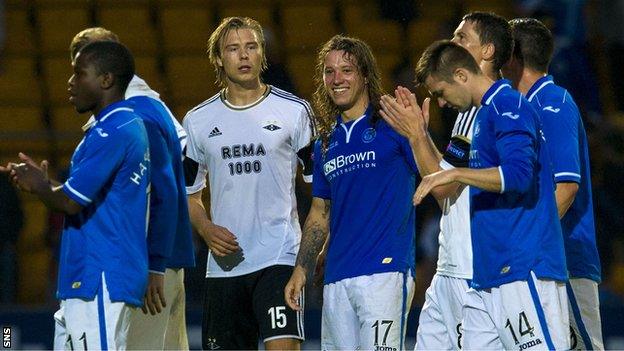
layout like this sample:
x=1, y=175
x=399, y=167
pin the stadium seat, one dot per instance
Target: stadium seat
x=386, y=63
x=307, y=27
x=185, y=27
x=19, y=32
x=147, y=68
x=192, y=79
x=259, y=12
x=423, y=32
x=302, y=69
x=19, y=83
x=22, y=129
x=58, y=25
x=362, y=23
x=132, y=21
x=57, y=70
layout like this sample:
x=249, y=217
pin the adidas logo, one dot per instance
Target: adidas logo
x=272, y=127
x=215, y=132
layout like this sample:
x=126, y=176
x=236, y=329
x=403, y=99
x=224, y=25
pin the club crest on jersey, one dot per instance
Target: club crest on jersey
x=369, y=135
x=272, y=127
x=215, y=132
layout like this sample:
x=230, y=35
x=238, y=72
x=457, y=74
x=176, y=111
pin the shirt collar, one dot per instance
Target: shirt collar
x=138, y=87
x=538, y=85
x=494, y=89
x=367, y=114
x=106, y=111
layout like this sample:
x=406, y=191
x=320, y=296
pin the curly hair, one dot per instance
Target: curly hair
x=360, y=54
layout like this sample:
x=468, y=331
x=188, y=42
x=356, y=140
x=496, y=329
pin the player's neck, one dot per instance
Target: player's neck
x=106, y=100
x=244, y=94
x=528, y=79
x=481, y=85
x=356, y=111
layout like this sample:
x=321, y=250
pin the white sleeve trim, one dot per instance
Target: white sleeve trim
x=195, y=188
x=567, y=174
x=502, y=176
x=156, y=272
x=445, y=165
x=75, y=192
x=307, y=178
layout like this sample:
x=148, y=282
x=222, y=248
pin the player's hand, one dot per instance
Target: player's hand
x=29, y=176
x=26, y=161
x=294, y=288
x=403, y=113
x=431, y=181
x=220, y=240
x=154, y=299
x=319, y=270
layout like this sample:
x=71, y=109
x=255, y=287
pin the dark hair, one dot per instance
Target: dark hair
x=533, y=43
x=361, y=55
x=441, y=59
x=493, y=29
x=111, y=57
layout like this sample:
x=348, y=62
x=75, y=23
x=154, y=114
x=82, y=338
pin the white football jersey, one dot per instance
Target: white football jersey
x=250, y=154
x=455, y=253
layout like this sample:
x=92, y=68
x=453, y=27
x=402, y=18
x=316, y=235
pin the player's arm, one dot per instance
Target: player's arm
x=488, y=179
x=219, y=239
x=315, y=232
x=565, y=194
x=409, y=119
x=33, y=179
x=560, y=122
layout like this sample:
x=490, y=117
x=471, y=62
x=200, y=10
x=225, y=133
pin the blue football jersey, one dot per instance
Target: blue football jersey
x=169, y=238
x=109, y=176
x=517, y=230
x=369, y=174
x=566, y=142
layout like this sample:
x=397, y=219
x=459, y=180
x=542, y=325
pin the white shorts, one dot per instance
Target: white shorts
x=97, y=324
x=519, y=315
x=366, y=312
x=440, y=321
x=584, y=314
x=167, y=329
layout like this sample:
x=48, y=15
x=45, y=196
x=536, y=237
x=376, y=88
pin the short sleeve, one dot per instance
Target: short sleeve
x=561, y=129
x=303, y=141
x=195, y=169
x=320, y=186
x=103, y=153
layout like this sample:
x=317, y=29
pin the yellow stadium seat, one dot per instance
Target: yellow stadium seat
x=362, y=23
x=57, y=70
x=147, y=68
x=19, y=33
x=22, y=129
x=21, y=119
x=19, y=83
x=423, y=32
x=132, y=22
x=302, y=69
x=186, y=29
x=256, y=11
x=191, y=78
x=307, y=27
x=58, y=25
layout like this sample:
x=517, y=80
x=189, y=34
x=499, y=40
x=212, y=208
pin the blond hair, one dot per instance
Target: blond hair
x=215, y=43
x=89, y=35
